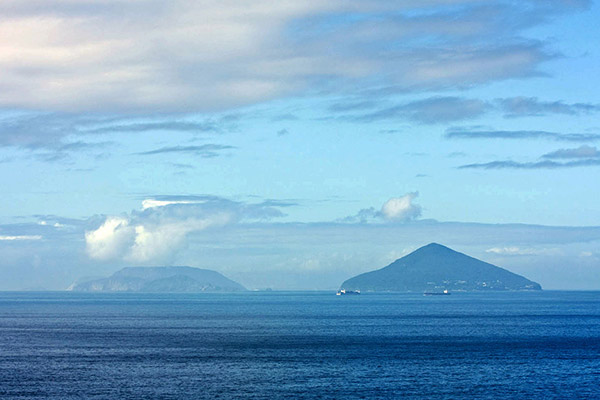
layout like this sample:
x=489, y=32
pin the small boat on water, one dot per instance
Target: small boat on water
x=344, y=292
x=444, y=293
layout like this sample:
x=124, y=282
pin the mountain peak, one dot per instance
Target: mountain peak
x=435, y=246
x=437, y=267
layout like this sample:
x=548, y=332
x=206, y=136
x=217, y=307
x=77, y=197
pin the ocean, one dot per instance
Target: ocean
x=300, y=345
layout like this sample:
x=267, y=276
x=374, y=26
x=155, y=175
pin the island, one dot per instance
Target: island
x=435, y=268
x=160, y=280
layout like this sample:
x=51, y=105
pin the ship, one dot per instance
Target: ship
x=444, y=293
x=344, y=292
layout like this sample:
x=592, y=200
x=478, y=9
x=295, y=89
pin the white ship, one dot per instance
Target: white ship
x=344, y=291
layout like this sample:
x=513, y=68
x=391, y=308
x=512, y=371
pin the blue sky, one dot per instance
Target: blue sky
x=292, y=145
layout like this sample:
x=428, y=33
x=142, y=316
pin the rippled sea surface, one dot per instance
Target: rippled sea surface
x=271, y=345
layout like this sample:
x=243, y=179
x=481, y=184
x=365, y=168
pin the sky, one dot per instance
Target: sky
x=293, y=144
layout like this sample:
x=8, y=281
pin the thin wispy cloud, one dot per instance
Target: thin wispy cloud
x=546, y=164
x=204, y=151
x=521, y=251
x=432, y=110
x=284, y=117
x=167, y=126
x=582, y=156
x=81, y=146
x=458, y=133
x=20, y=237
x=533, y=107
x=443, y=109
x=356, y=105
x=42, y=130
x=579, y=152
x=64, y=152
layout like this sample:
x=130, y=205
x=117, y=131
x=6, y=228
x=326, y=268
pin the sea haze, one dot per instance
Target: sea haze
x=269, y=345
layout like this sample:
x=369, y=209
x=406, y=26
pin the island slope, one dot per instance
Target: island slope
x=161, y=279
x=434, y=268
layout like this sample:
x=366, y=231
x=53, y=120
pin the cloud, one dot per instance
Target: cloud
x=20, y=237
x=396, y=209
x=354, y=105
x=520, y=251
x=443, y=109
x=460, y=133
x=152, y=203
x=579, y=152
x=111, y=239
x=532, y=106
x=284, y=117
x=154, y=241
x=363, y=216
x=55, y=224
x=51, y=131
x=547, y=164
x=401, y=208
x=432, y=110
x=582, y=156
x=146, y=56
x=149, y=126
x=160, y=229
x=204, y=151
x=61, y=151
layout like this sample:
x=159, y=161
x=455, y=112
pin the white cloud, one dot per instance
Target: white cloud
x=153, y=242
x=20, y=237
x=46, y=223
x=401, y=208
x=396, y=209
x=520, y=251
x=144, y=55
x=161, y=228
x=152, y=203
x=111, y=239
x=143, y=240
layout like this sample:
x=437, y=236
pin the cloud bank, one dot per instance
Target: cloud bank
x=148, y=56
x=250, y=246
x=159, y=230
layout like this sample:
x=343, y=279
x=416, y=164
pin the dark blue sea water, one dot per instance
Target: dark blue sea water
x=275, y=345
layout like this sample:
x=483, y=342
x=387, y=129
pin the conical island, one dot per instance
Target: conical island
x=436, y=268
